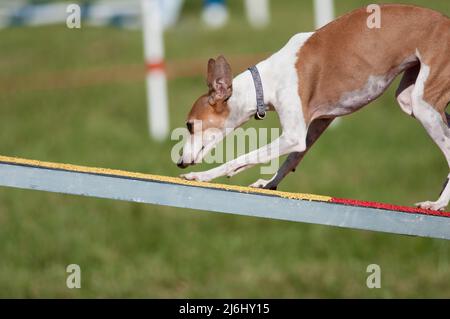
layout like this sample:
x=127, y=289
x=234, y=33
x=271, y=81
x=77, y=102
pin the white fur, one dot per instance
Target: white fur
x=404, y=99
x=435, y=127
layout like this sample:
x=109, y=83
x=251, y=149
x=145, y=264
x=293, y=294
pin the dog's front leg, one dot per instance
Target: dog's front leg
x=289, y=165
x=315, y=130
x=283, y=145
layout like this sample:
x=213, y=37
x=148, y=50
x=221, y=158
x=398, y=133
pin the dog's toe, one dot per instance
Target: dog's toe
x=190, y=177
x=431, y=205
x=263, y=183
x=260, y=183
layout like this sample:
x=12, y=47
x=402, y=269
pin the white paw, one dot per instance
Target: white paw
x=197, y=176
x=431, y=205
x=260, y=183
x=264, y=183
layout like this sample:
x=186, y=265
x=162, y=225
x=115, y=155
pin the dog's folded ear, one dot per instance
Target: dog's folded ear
x=219, y=79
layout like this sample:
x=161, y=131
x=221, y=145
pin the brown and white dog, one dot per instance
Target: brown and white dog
x=319, y=76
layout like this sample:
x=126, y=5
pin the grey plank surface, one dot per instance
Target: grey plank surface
x=223, y=201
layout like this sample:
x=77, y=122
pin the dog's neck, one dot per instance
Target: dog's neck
x=242, y=102
x=277, y=73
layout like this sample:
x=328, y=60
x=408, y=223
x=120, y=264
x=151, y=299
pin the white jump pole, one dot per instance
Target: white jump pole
x=258, y=13
x=157, y=101
x=323, y=12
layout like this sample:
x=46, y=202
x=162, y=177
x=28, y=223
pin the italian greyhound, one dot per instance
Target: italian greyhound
x=321, y=75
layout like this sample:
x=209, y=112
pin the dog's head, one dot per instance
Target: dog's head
x=207, y=119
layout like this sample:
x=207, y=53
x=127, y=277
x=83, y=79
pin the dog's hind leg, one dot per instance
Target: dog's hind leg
x=405, y=89
x=430, y=111
x=316, y=129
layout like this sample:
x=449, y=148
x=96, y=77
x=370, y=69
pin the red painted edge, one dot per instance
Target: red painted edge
x=403, y=209
x=155, y=66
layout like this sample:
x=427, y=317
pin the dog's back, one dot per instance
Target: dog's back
x=327, y=62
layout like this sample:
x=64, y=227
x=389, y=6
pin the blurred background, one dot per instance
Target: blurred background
x=79, y=96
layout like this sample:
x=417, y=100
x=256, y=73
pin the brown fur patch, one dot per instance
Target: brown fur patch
x=212, y=116
x=340, y=57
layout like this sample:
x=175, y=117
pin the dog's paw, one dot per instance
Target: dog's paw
x=264, y=183
x=196, y=176
x=431, y=205
x=260, y=183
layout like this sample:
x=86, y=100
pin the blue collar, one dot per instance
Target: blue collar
x=260, y=106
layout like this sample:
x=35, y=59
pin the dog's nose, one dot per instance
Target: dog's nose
x=190, y=126
x=181, y=164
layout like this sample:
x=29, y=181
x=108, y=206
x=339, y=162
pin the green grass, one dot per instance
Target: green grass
x=133, y=250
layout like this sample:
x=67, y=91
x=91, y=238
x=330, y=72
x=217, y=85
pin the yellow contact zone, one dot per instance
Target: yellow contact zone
x=159, y=178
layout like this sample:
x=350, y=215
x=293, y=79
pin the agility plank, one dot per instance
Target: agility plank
x=171, y=191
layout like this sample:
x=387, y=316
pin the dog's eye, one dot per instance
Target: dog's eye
x=190, y=127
